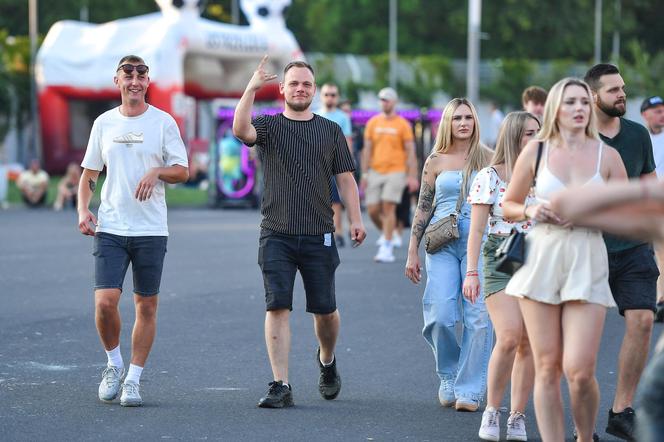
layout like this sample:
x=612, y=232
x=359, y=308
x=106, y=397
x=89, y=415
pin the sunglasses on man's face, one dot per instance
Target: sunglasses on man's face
x=330, y=94
x=129, y=68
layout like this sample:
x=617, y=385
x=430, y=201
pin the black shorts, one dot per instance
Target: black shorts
x=633, y=277
x=315, y=256
x=403, y=208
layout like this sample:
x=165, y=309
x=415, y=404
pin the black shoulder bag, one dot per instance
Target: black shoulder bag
x=512, y=252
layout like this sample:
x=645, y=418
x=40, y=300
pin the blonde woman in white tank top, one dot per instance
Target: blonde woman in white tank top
x=563, y=287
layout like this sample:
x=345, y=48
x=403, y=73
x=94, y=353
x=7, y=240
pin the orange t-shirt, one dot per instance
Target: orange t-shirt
x=388, y=137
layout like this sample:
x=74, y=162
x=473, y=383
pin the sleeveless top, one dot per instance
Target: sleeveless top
x=548, y=183
x=448, y=187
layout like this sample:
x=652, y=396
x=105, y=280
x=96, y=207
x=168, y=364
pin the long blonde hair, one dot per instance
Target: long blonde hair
x=550, y=127
x=478, y=154
x=508, y=145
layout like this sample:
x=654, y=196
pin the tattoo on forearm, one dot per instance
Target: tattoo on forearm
x=92, y=184
x=419, y=227
x=423, y=213
x=426, y=198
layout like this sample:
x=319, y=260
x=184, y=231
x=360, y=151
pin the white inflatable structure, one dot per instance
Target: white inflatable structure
x=188, y=57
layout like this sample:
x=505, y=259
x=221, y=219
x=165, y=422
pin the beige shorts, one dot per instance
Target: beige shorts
x=384, y=187
x=563, y=265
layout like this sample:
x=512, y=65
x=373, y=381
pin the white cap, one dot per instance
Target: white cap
x=389, y=94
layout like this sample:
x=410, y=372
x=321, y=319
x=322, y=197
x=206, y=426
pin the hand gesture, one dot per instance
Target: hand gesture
x=471, y=288
x=260, y=76
x=414, y=268
x=357, y=233
x=543, y=213
x=413, y=184
x=86, y=221
x=146, y=185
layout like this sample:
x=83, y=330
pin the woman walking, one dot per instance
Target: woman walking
x=457, y=156
x=511, y=353
x=563, y=286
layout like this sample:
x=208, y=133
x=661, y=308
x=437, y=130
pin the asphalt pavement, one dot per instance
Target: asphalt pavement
x=208, y=366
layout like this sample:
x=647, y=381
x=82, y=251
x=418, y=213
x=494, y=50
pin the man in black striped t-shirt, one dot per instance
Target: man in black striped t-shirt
x=300, y=152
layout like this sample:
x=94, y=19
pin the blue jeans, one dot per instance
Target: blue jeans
x=464, y=365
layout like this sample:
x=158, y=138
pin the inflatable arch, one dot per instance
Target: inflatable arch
x=188, y=57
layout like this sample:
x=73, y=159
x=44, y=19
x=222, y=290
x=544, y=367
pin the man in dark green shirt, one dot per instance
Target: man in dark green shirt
x=632, y=268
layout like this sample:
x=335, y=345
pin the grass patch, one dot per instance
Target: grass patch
x=178, y=196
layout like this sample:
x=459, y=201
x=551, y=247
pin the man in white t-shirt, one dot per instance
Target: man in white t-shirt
x=141, y=148
x=652, y=111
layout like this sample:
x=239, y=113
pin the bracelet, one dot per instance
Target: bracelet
x=472, y=273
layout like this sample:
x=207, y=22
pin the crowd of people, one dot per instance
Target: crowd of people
x=568, y=172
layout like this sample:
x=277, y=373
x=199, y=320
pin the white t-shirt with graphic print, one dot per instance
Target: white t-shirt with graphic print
x=489, y=188
x=129, y=147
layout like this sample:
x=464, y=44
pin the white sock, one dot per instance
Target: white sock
x=115, y=357
x=327, y=364
x=134, y=374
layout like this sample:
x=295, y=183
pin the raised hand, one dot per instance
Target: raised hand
x=261, y=76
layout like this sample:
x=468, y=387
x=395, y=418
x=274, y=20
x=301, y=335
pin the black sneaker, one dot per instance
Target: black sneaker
x=278, y=396
x=595, y=436
x=659, y=314
x=329, y=382
x=621, y=424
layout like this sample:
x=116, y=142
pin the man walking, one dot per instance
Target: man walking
x=141, y=148
x=330, y=94
x=652, y=111
x=301, y=152
x=388, y=165
x=632, y=269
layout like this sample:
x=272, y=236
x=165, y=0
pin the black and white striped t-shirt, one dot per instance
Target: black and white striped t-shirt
x=299, y=159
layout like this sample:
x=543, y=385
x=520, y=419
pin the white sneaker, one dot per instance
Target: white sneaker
x=130, y=395
x=516, y=427
x=384, y=254
x=381, y=240
x=110, y=383
x=396, y=240
x=446, y=393
x=490, y=427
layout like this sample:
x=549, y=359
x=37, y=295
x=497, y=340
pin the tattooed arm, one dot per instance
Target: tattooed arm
x=86, y=189
x=423, y=214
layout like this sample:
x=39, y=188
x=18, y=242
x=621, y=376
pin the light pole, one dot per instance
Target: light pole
x=35, y=145
x=615, y=50
x=598, y=31
x=393, y=44
x=473, y=63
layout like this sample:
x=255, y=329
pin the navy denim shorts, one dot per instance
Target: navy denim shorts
x=113, y=253
x=315, y=256
x=633, y=277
